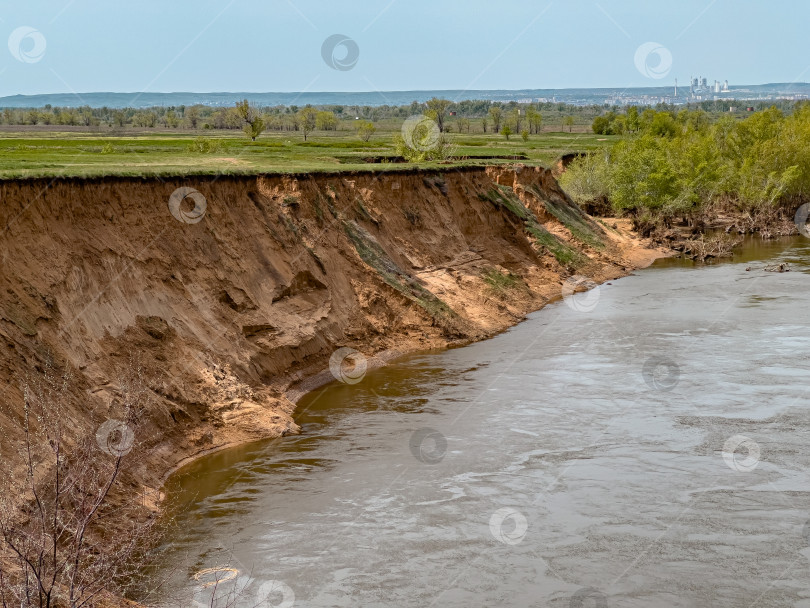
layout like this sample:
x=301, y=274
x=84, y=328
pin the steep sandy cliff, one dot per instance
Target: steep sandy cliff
x=233, y=310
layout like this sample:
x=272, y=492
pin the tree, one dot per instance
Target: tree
x=604, y=125
x=484, y=123
x=506, y=131
x=516, y=120
x=535, y=120
x=171, y=119
x=525, y=134
x=568, y=121
x=254, y=128
x=233, y=120
x=365, y=130
x=496, y=114
x=307, y=120
x=587, y=178
x=632, y=119
x=192, y=115
x=421, y=140
x=253, y=124
x=144, y=119
x=65, y=540
x=326, y=121
x=661, y=125
x=439, y=108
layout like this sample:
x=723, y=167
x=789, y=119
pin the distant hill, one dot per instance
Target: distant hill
x=648, y=95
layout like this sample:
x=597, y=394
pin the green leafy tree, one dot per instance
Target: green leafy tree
x=192, y=116
x=171, y=119
x=253, y=124
x=516, y=119
x=601, y=125
x=587, y=178
x=326, y=121
x=506, y=131
x=535, y=120
x=568, y=121
x=365, y=130
x=632, y=119
x=643, y=176
x=423, y=144
x=438, y=108
x=307, y=120
x=254, y=128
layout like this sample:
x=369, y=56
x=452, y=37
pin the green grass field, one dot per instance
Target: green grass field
x=54, y=153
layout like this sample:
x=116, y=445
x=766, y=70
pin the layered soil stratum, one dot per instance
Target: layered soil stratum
x=233, y=318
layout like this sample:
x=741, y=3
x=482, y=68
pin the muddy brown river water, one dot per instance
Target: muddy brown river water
x=644, y=444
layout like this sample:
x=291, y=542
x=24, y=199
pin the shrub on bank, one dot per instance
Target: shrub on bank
x=680, y=164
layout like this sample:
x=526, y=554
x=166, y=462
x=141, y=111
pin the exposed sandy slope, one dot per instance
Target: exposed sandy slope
x=234, y=317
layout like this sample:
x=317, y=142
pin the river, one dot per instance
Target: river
x=643, y=444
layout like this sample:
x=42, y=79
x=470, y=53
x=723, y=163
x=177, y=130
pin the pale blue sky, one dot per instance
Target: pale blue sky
x=275, y=45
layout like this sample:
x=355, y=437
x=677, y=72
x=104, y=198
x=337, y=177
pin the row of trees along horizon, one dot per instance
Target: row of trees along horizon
x=473, y=116
x=684, y=163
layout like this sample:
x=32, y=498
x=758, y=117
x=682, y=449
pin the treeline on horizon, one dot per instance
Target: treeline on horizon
x=471, y=115
x=683, y=163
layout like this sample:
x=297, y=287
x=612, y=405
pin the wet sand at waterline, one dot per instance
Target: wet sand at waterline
x=644, y=444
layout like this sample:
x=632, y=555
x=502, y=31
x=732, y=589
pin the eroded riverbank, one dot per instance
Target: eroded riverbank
x=171, y=318
x=229, y=310
x=583, y=453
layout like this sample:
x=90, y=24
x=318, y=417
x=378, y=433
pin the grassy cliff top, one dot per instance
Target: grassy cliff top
x=59, y=152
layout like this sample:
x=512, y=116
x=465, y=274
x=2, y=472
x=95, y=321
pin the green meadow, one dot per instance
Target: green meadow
x=37, y=152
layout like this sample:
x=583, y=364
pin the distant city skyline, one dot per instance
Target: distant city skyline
x=392, y=45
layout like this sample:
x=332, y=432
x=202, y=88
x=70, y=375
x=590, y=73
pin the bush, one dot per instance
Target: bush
x=205, y=145
x=679, y=165
x=586, y=180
